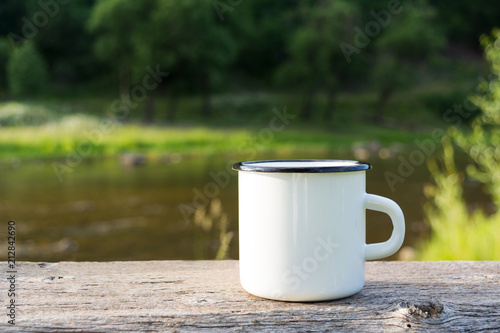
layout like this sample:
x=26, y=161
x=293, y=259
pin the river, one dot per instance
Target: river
x=104, y=210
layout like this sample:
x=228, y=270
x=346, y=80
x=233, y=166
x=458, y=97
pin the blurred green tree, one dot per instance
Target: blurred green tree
x=402, y=49
x=315, y=60
x=114, y=24
x=197, y=49
x=464, y=20
x=11, y=13
x=26, y=71
x=63, y=41
x=183, y=38
x=261, y=30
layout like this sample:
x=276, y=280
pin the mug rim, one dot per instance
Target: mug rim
x=323, y=167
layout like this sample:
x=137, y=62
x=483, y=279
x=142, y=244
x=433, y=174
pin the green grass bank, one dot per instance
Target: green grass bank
x=96, y=138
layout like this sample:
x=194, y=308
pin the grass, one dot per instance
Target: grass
x=457, y=233
x=84, y=136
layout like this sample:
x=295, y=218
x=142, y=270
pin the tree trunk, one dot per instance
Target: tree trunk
x=172, y=109
x=330, y=105
x=124, y=77
x=206, y=111
x=384, y=97
x=308, y=107
x=149, y=110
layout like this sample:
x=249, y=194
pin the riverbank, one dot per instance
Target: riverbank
x=92, y=127
x=90, y=138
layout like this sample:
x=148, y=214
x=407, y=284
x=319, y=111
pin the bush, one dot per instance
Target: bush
x=244, y=108
x=456, y=233
x=22, y=114
x=76, y=122
x=26, y=71
x=440, y=102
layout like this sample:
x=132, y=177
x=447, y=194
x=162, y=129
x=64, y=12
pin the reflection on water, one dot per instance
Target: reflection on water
x=108, y=210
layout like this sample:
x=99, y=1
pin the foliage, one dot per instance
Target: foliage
x=402, y=49
x=10, y=12
x=26, y=71
x=197, y=63
x=316, y=61
x=64, y=42
x=465, y=20
x=114, y=23
x=236, y=46
x=108, y=22
x=483, y=144
x=215, y=218
x=261, y=31
x=456, y=233
x=441, y=100
x=22, y=114
x=181, y=37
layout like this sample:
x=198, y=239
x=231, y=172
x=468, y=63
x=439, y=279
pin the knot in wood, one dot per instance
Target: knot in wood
x=424, y=310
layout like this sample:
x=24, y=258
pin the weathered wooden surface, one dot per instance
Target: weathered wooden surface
x=172, y=296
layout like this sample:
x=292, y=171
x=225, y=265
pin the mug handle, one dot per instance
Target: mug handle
x=389, y=247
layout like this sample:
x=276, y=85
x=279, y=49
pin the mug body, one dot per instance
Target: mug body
x=302, y=234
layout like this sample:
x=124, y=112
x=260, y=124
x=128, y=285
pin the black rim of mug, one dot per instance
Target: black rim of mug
x=336, y=166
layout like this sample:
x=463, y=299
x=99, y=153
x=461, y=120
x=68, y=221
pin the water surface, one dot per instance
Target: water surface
x=104, y=210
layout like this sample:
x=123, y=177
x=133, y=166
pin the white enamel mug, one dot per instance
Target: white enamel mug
x=302, y=228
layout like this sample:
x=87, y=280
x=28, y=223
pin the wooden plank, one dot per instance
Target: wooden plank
x=194, y=296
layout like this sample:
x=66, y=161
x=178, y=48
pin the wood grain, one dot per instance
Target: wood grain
x=194, y=296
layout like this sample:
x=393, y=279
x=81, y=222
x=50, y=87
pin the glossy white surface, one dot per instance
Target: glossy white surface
x=302, y=235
